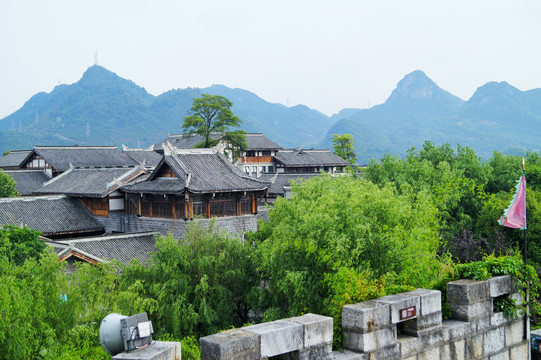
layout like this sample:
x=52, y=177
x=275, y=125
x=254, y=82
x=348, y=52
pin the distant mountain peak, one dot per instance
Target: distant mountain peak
x=418, y=86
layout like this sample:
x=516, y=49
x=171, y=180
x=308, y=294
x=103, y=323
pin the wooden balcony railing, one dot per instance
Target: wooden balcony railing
x=256, y=159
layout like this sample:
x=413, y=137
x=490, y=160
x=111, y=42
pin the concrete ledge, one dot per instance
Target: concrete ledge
x=500, y=285
x=160, y=350
x=278, y=337
x=317, y=329
x=366, y=316
x=465, y=291
x=231, y=345
x=430, y=301
x=398, y=302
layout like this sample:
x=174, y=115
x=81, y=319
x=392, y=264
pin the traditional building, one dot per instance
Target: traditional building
x=14, y=159
x=144, y=157
x=194, y=183
x=103, y=249
x=309, y=161
x=281, y=183
x=97, y=188
x=259, y=155
x=57, y=159
x=54, y=216
x=29, y=182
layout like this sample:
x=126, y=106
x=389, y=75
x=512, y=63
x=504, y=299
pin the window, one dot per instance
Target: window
x=254, y=171
x=271, y=169
x=247, y=169
x=223, y=207
x=199, y=208
x=262, y=169
x=246, y=206
x=162, y=207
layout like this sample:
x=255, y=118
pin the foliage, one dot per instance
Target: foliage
x=211, y=117
x=19, y=244
x=335, y=239
x=202, y=284
x=8, y=186
x=343, y=147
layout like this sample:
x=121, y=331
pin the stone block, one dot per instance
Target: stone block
x=398, y=302
x=422, y=325
x=454, y=351
x=483, y=323
x=454, y=330
x=474, y=347
x=514, y=332
x=278, y=337
x=366, y=316
x=501, y=356
x=388, y=353
x=429, y=354
x=472, y=311
x=498, y=319
x=467, y=291
x=409, y=346
x=370, y=341
x=350, y=355
x=159, y=350
x=500, y=285
x=231, y=345
x=430, y=301
x=317, y=329
x=494, y=341
x=320, y=352
x=519, y=352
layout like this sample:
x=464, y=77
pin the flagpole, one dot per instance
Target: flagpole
x=525, y=256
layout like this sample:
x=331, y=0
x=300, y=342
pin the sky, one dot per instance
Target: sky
x=327, y=55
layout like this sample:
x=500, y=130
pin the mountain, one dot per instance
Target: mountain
x=105, y=109
x=497, y=117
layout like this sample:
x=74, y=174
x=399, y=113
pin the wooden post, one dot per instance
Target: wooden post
x=150, y=206
x=186, y=211
x=191, y=208
x=239, y=206
x=207, y=203
x=174, y=214
x=139, y=205
x=254, y=203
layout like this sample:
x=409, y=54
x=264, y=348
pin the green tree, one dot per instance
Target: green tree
x=19, y=244
x=342, y=145
x=7, y=185
x=211, y=117
x=203, y=283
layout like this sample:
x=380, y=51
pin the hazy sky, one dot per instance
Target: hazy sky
x=327, y=55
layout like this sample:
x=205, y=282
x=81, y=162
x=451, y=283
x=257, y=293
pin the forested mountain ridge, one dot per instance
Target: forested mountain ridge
x=497, y=117
x=105, y=109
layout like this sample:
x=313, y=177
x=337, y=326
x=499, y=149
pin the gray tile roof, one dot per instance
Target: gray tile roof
x=51, y=215
x=121, y=247
x=14, y=159
x=28, y=181
x=279, y=180
x=257, y=141
x=309, y=158
x=95, y=182
x=149, y=157
x=199, y=171
x=178, y=141
x=60, y=157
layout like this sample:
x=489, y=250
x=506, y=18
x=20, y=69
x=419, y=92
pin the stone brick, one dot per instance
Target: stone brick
x=349, y=355
x=514, y=332
x=467, y=291
x=500, y=285
x=519, y=352
x=320, y=352
x=159, y=350
x=388, y=353
x=453, y=330
x=422, y=325
x=429, y=354
x=398, y=302
x=454, y=351
x=278, y=337
x=409, y=345
x=317, y=329
x=430, y=301
x=366, y=316
x=493, y=341
x=370, y=341
x=472, y=311
x=500, y=356
x=474, y=347
x=231, y=345
x=498, y=319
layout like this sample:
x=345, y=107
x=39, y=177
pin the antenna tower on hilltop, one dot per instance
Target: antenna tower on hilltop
x=96, y=58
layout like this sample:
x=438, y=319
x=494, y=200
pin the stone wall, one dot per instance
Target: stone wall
x=405, y=326
x=121, y=222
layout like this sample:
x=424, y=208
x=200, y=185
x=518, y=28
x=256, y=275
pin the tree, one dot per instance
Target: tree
x=20, y=243
x=211, y=117
x=342, y=145
x=7, y=186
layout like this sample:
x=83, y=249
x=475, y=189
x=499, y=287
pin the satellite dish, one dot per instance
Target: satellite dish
x=110, y=336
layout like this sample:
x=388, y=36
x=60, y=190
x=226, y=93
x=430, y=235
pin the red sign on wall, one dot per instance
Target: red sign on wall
x=408, y=313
